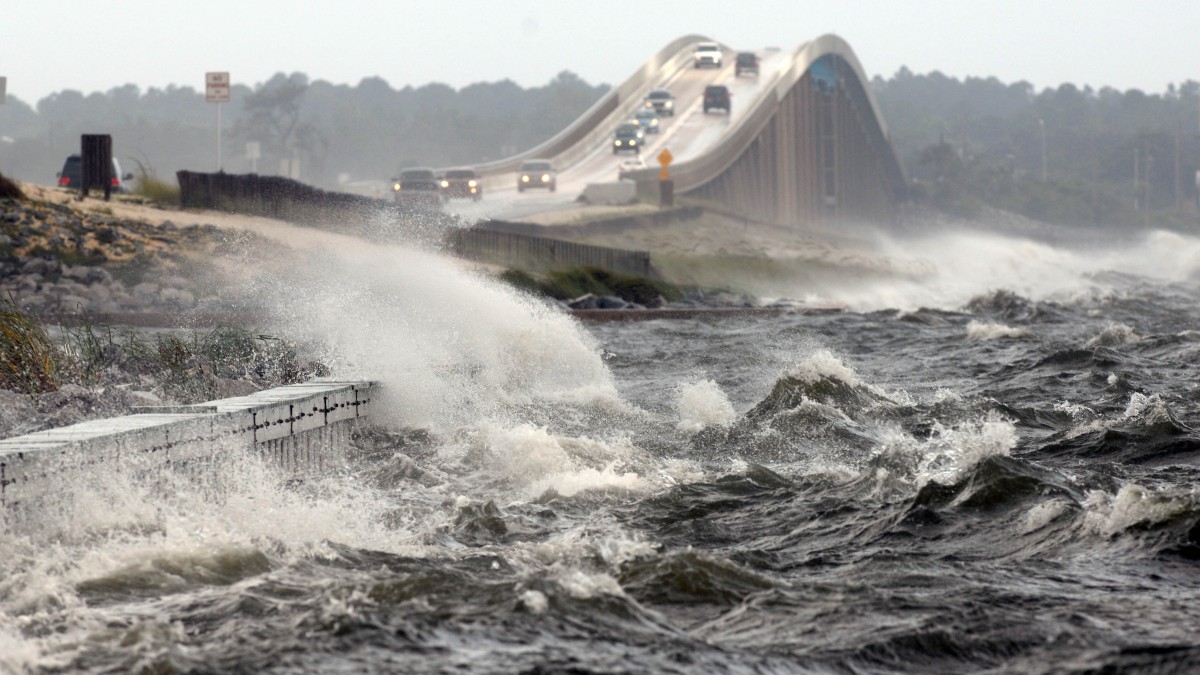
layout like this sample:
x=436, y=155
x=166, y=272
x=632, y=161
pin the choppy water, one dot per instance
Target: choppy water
x=992, y=469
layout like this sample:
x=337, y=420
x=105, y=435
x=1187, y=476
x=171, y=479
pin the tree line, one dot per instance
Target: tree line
x=1062, y=153
x=332, y=132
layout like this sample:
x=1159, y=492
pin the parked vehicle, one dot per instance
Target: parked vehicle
x=745, y=62
x=418, y=187
x=462, y=183
x=661, y=101
x=707, y=54
x=716, y=97
x=648, y=120
x=628, y=137
x=71, y=175
x=537, y=173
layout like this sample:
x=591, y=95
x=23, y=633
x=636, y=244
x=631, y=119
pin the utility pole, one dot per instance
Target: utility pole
x=1042, y=124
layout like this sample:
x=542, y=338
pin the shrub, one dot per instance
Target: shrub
x=157, y=191
x=28, y=357
x=9, y=189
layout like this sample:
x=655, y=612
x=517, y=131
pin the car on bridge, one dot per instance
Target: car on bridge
x=630, y=164
x=537, y=173
x=648, y=120
x=661, y=101
x=417, y=187
x=463, y=183
x=716, y=97
x=628, y=137
x=745, y=62
x=707, y=54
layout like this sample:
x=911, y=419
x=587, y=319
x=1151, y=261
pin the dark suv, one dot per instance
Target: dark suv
x=628, y=137
x=71, y=175
x=746, y=62
x=716, y=97
x=462, y=183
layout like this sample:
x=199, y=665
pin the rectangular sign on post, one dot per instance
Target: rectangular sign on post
x=216, y=87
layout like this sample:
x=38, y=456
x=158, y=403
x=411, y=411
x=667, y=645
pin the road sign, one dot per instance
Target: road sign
x=664, y=158
x=216, y=87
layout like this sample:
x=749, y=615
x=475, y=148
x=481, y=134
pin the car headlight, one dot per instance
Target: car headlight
x=653, y=123
x=396, y=187
x=472, y=183
x=525, y=178
x=669, y=104
x=445, y=183
x=545, y=178
x=617, y=143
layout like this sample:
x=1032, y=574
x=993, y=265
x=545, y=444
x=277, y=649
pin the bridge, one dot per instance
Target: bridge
x=805, y=143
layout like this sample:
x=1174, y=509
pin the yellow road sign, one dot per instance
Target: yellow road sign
x=665, y=158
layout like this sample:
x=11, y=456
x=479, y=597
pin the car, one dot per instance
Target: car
x=537, y=173
x=661, y=101
x=707, y=54
x=648, y=120
x=461, y=183
x=716, y=97
x=417, y=186
x=745, y=62
x=630, y=164
x=627, y=137
x=71, y=175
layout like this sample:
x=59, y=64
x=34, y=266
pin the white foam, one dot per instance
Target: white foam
x=1115, y=335
x=948, y=453
x=823, y=364
x=703, y=404
x=1134, y=505
x=985, y=330
x=535, y=601
x=451, y=346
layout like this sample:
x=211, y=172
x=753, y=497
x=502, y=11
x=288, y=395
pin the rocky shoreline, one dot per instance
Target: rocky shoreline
x=56, y=259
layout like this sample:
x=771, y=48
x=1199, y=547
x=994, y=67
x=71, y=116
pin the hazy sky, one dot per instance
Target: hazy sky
x=51, y=45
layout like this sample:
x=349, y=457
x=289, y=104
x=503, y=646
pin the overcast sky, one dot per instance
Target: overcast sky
x=52, y=45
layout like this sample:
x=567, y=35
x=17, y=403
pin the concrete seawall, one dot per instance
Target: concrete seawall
x=301, y=428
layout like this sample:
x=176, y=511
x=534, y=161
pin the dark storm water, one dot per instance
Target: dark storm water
x=1008, y=485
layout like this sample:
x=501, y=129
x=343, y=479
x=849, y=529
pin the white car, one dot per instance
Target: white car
x=630, y=164
x=707, y=54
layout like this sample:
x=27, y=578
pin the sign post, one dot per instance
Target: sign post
x=216, y=90
x=666, y=186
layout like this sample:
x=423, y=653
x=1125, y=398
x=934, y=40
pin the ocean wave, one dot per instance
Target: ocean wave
x=983, y=330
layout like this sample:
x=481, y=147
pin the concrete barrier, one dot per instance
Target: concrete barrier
x=301, y=427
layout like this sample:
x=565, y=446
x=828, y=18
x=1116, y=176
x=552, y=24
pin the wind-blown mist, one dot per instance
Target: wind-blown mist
x=948, y=269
